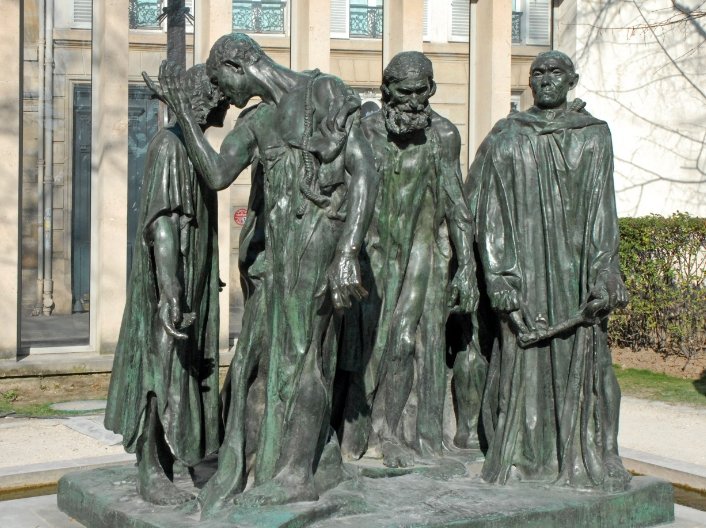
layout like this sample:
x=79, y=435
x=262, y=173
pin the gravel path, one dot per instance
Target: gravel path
x=33, y=441
x=664, y=429
x=673, y=431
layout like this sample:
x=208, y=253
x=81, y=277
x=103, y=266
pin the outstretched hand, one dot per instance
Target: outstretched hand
x=343, y=280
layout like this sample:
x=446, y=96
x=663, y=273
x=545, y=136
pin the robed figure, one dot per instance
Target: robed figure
x=548, y=239
x=311, y=203
x=163, y=395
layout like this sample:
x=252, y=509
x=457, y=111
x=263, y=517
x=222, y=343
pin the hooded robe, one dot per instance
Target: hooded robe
x=548, y=230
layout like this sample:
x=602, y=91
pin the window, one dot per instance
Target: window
x=365, y=19
x=446, y=20
x=82, y=14
x=356, y=18
x=259, y=16
x=145, y=14
x=531, y=22
x=460, y=16
x=516, y=102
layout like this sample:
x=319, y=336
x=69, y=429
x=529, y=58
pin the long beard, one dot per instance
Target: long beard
x=401, y=120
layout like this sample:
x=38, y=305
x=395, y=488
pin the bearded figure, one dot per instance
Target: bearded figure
x=394, y=353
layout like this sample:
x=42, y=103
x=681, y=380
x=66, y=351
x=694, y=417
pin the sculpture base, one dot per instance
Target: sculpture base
x=106, y=498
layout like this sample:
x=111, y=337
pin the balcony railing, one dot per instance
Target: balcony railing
x=517, y=27
x=365, y=21
x=258, y=17
x=143, y=14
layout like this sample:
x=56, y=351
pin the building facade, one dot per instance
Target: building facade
x=75, y=148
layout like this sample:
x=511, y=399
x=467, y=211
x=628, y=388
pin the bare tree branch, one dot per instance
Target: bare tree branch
x=666, y=52
x=690, y=15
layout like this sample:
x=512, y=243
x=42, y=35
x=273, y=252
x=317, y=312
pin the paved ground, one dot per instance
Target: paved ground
x=25, y=441
x=674, y=431
x=73, y=329
x=665, y=430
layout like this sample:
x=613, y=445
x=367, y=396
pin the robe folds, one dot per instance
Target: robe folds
x=286, y=248
x=184, y=378
x=405, y=265
x=547, y=230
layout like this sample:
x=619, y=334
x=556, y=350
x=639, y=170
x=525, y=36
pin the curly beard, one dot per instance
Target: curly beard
x=401, y=120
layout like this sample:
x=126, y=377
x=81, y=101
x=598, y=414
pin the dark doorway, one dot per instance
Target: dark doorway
x=81, y=200
x=143, y=115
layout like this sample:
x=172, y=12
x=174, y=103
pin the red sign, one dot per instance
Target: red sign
x=239, y=216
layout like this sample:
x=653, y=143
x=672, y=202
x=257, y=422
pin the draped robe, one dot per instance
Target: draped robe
x=547, y=230
x=183, y=378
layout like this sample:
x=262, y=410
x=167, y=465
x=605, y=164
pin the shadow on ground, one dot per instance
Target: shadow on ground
x=700, y=384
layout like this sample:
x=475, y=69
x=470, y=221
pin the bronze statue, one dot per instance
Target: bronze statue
x=548, y=239
x=318, y=188
x=421, y=222
x=163, y=395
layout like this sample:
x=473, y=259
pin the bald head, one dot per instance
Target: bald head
x=552, y=76
x=558, y=56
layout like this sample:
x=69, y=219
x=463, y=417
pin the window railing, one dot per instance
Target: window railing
x=517, y=27
x=258, y=17
x=143, y=14
x=365, y=21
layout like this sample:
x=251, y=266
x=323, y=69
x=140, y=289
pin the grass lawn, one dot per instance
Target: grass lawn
x=9, y=405
x=633, y=382
x=661, y=387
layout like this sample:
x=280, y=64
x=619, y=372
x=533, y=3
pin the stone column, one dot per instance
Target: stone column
x=403, y=27
x=490, y=67
x=10, y=142
x=213, y=18
x=310, y=34
x=109, y=96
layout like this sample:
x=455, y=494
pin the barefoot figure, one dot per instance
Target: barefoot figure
x=421, y=222
x=163, y=395
x=318, y=188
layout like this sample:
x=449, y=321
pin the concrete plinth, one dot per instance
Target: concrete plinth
x=106, y=498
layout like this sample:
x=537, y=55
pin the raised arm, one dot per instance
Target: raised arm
x=218, y=170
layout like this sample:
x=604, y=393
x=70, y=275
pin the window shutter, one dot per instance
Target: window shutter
x=83, y=13
x=539, y=17
x=460, y=19
x=339, y=18
x=425, y=22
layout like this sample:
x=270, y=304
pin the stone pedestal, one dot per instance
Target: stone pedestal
x=106, y=498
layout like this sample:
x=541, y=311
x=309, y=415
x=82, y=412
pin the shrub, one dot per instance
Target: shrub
x=664, y=265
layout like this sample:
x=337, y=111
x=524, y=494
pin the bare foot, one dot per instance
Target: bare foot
x=156, y=488
x=466, y=440
x=394, y=455
x=212, y=498
x=282, y=489
x=617, y=477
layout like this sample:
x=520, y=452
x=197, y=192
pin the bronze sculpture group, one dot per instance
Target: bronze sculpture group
x=361, y=242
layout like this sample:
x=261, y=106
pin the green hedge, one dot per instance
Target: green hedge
x=664, y=266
